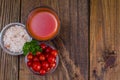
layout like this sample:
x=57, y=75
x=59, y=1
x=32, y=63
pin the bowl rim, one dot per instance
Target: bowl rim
x=1, y=38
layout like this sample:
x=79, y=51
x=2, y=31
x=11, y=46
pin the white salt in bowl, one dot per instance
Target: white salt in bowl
x=11, y=50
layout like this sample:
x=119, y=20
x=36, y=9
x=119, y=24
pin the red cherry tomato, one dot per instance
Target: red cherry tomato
x=42, y=72
x=35, y=58
x=41, y=57
x=48, y=69
x=46, y=55
x=45, y=65
x=30, y=56
x=55, y=60
x=48, y=50
x=38, y=53
x=36, y=66
x=54, y=53
x=43, y=46
x=29, y=63
x=52, y=65
x=51, y=59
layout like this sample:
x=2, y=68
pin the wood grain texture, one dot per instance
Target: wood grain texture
x=9, y=12
x=24, y=73
x=104, y=35
x=72, y=41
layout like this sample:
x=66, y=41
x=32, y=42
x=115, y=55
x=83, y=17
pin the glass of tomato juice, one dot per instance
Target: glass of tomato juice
x=43, y=24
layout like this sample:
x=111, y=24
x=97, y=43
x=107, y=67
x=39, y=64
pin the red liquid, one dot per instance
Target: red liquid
x=42, y=25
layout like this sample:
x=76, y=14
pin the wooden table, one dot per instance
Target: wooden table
x=72, y=41
x=105, y=39
x=88, y=42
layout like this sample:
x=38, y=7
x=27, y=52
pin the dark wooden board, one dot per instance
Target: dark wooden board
x=72, y=41
x=73, y=37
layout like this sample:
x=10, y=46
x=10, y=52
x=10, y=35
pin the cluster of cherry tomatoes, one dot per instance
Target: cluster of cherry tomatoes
x=42, y=62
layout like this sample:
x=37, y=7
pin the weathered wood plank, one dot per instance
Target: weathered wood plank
x=104, y=35
x=9, y=12
x=24, y=73
x=82, y=37
x=74, y=30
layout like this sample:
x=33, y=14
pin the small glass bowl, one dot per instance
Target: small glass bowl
x=2, y=34
x=49, y=72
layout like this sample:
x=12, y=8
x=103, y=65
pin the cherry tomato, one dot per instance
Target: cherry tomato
x=41, y=57
x=48, y=50
x=42, y=72
x=52, y=65
x=55, y=60
x=48, y=69
x=29, y=63
x=36, y=66
x=46, y=55
x=30, y=56
x=43, y=46
x=51, y=59
x=35, y=58
x=38, y=53
x=45, y=65
x=54, y=53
